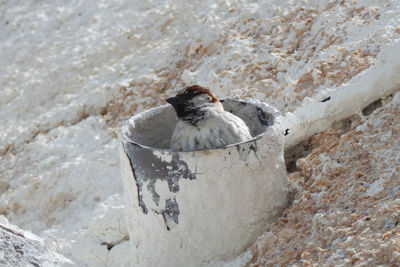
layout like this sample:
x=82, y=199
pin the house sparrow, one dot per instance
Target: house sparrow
x=203, y=123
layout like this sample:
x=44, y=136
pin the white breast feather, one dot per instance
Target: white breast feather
x=219, y=128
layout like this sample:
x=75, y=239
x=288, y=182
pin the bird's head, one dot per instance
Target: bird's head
x=191, y=98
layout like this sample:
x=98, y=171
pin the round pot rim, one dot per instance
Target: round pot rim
x=273, y=112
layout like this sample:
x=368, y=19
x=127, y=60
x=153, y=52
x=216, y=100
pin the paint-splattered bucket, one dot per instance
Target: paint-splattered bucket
x=192, y=208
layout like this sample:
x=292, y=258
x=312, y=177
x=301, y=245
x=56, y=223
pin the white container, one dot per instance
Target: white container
x=192, y=208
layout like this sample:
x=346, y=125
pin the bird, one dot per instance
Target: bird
x=202, y=121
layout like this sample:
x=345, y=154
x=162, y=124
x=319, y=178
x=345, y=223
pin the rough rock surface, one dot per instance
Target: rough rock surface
x=347, y=208
x=20, y=248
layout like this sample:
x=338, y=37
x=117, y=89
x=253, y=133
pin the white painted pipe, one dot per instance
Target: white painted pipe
x=382, y=79
x=192, y=208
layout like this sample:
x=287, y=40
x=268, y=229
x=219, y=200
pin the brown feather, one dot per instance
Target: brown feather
x=202, y=90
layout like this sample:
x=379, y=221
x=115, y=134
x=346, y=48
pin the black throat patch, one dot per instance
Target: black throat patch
x=193, y=115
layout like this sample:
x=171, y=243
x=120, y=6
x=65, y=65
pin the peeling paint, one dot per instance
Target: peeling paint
x=188, y=200
x=171, y=213
x=150, y=167
x=262, y=117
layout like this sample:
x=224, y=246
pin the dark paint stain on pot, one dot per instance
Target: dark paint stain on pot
x=148, y=168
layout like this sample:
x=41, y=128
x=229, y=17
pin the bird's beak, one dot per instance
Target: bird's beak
x=175, y=100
